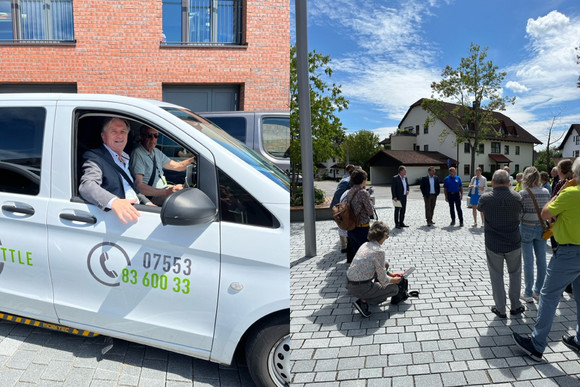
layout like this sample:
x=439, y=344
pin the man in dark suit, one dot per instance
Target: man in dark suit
x=106, y=181
x=399, y=191
x=430, y=189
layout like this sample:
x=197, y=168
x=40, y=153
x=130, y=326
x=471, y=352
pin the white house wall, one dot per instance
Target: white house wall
x=446, y=145
x=570, y=146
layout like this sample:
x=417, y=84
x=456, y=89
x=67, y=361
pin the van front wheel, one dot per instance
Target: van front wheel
x=268, y=353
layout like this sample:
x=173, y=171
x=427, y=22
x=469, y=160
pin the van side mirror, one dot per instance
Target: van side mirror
x=187, y=207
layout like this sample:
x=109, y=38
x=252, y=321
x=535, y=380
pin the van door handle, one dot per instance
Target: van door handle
x=18, y=210
x=79, y=218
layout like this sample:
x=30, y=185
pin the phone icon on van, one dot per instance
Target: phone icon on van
x=103, y=260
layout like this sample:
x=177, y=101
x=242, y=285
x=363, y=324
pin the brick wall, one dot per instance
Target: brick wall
x=118, y=51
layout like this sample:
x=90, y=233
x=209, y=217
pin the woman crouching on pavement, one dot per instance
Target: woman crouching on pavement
x=367, y=275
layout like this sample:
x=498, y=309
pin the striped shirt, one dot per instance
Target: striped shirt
x=529, y=213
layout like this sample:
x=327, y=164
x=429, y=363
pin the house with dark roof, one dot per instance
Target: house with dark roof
x=385, y=164
x=508, y=144
x=570, y=145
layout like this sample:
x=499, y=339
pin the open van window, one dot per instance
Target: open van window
x=89, y=127
x=239, y=149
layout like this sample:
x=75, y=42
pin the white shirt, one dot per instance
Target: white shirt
x=404, y=184
x=432, y=185
x=124, y=164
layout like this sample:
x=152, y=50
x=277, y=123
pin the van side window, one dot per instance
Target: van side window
x=238, y=206
x=22, y=132
x=234, y=126
x=276, y=136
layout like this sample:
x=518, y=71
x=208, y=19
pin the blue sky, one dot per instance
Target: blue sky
x=386, y=54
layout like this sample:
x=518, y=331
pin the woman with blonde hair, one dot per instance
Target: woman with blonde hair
x=534, y=198
x=476, y=189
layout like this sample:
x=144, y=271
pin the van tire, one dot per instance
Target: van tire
x=268, y=352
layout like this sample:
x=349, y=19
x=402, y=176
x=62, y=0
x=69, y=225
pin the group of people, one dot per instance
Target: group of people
x=514, y=219
x=113, y=180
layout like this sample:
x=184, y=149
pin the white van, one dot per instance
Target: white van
x=202, y=275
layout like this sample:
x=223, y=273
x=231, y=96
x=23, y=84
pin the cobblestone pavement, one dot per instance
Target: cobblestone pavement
x=446, y=337
x=38, y=357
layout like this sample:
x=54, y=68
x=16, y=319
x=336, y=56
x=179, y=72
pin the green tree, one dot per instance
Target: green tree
x=544, y=160
x=475, y=87
x=325, y=101
x=360, y=147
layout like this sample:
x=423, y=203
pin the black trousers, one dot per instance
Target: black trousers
x=455, y=200
x=400, y=211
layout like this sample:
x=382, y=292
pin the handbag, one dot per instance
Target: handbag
x=547, y=226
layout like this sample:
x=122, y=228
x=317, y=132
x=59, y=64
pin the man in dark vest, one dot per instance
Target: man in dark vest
x=106, y=181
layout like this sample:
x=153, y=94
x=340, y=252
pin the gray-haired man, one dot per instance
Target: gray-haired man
x=502, y=208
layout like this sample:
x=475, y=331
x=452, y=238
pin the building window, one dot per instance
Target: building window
x=495, y=147
x=466, y=148
x=517, y=150
x=506, y=149
x=425, y=129
x=426, y=148
x=577, y=140
x=214, y=22
x=576, y=153
x=481, y=167
x=36, y=21
x=417, y=129
x=517, y=168
x=481, y=149
x=466, y=170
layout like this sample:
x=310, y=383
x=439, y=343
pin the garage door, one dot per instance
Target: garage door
x=203, y=98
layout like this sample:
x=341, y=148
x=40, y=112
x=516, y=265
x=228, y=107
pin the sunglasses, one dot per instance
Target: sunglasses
x=152, y=135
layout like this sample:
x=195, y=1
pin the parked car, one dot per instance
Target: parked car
x=204, y=274
x=268, y=133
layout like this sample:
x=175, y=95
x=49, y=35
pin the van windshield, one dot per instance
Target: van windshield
x=236, y=147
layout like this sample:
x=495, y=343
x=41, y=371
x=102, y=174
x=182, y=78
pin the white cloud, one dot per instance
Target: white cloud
x=516, y=87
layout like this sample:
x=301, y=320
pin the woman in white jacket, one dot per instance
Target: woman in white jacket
x=476, y=189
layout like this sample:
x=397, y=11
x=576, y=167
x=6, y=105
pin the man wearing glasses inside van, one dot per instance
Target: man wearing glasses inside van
x=147, y=163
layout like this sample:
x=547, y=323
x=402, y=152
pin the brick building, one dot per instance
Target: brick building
x=204, y=54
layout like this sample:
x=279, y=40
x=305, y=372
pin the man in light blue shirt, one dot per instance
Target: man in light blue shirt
x=147, y=163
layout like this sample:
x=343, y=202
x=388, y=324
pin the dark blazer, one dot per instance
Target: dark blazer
x=425, y=188
x=397, y=188
x=101, y=181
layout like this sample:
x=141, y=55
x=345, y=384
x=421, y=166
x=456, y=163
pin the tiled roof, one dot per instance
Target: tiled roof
x=512, y=131
x=409, y=158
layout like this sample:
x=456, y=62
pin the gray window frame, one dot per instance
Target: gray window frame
x=48, y=16
x=186, y=25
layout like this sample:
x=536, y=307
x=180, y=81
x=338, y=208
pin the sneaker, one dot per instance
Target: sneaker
x=526, y=345
x=536, y=296
x=570, y=342
x=527, y=299
x=362, y=307
x=452, y=223
x=474, y=225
